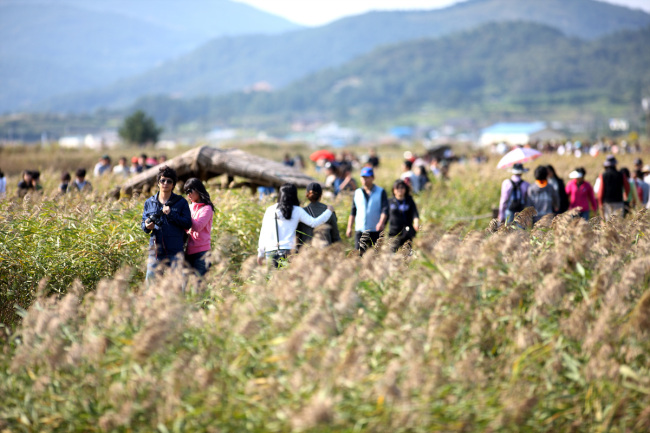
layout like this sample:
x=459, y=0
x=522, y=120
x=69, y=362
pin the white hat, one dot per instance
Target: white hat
x=575, y=174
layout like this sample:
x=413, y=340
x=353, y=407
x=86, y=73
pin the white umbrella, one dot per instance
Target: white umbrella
x=519, y=155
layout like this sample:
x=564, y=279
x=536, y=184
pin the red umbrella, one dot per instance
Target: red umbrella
x=322, y=154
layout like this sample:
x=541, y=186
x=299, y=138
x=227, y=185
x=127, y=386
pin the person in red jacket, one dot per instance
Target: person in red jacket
x=580, y=193
x=202, y=209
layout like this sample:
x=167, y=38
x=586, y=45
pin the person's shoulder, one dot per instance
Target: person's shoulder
x=316, y=206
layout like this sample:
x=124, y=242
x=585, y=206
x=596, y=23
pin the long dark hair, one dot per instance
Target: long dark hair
x=287, y=199
x=194, y=184
x=398, y=183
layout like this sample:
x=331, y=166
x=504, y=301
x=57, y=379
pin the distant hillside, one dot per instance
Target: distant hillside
x=233, y=63
x=523, y=64
x=52, y=47
x=204, y=18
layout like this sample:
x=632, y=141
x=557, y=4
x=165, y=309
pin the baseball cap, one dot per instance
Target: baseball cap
x=367, y=172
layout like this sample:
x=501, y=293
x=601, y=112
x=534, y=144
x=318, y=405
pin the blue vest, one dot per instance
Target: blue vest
x=368, y=212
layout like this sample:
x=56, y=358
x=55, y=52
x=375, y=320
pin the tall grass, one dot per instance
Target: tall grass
x=513, y=330
x=480, y=329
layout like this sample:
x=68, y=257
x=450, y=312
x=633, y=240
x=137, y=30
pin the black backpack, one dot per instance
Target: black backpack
x=516, y=198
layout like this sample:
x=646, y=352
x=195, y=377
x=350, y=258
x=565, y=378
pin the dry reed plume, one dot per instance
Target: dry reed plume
x=538, y=330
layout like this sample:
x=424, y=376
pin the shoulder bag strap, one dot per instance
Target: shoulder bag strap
x=277, y=233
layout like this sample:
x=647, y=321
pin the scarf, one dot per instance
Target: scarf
x=541, y=183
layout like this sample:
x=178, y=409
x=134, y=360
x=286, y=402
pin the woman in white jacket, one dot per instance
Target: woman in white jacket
x=278, y=233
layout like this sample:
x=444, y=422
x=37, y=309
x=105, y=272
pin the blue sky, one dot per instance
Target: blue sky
x=318, y=12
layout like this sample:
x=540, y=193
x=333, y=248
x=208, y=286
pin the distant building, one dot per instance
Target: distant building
x=332, y=134
x=518, y=133
x=218, y=135
x=402, y=132
x=98, y=141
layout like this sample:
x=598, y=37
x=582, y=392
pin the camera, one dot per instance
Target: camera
x=155, y=218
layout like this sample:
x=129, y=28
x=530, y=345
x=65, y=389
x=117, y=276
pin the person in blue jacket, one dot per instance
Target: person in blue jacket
x=166, y=217
x=369, y=212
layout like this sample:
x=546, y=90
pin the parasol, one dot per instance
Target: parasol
x=519, y=155
x=322, y=154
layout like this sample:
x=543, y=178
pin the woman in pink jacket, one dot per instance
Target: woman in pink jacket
x=581, y=194
x=202, y=211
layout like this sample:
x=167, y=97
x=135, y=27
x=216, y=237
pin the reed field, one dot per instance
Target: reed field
x=480, y=328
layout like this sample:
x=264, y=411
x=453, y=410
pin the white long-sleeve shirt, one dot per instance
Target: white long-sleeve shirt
x=286, y=228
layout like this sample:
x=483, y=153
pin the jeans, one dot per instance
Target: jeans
x=197, y=262
x=153, y=262
x=584, y=215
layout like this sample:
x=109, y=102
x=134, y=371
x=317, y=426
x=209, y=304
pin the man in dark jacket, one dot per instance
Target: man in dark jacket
x=613, y=190
x=166, y=217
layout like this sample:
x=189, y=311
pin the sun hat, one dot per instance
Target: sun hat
x=518, y=169
x=646, y=169
x=575, y=174
x=315, y=186
x=367, y=172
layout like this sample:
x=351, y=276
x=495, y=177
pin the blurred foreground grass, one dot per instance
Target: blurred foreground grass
x=479, y=330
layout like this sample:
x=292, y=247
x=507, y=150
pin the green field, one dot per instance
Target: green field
x=542, y=329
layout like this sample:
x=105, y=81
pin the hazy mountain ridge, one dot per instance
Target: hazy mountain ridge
x=53, y=47
x=231, y=64
x=536, y=66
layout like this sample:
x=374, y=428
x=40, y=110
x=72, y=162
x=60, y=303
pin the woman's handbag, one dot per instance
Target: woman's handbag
x=278, y=254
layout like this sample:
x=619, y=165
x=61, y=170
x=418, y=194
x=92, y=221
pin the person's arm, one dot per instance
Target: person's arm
x=265, y=233
x=599, y=191
x=505, y=193
x=204, y=217
x=353, y=215
x=626, y=189
x=383, y=218
x=416, y=215
x=180, y=215
x=305, y=218
x=146, y=213
x=334, y=228
x=592, y=198
x=556, y=200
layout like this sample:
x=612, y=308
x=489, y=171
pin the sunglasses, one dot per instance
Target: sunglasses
x=165, y=181
x=189, y=191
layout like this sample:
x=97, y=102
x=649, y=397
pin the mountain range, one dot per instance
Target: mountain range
x=236, y=62
x=54, y=47
x=523, y=66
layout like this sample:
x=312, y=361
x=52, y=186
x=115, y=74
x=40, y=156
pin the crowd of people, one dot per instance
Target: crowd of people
x=181, y=229
x=576, y=148
x=31, y=179
x=615, y=192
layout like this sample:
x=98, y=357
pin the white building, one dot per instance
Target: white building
x=518, y=133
